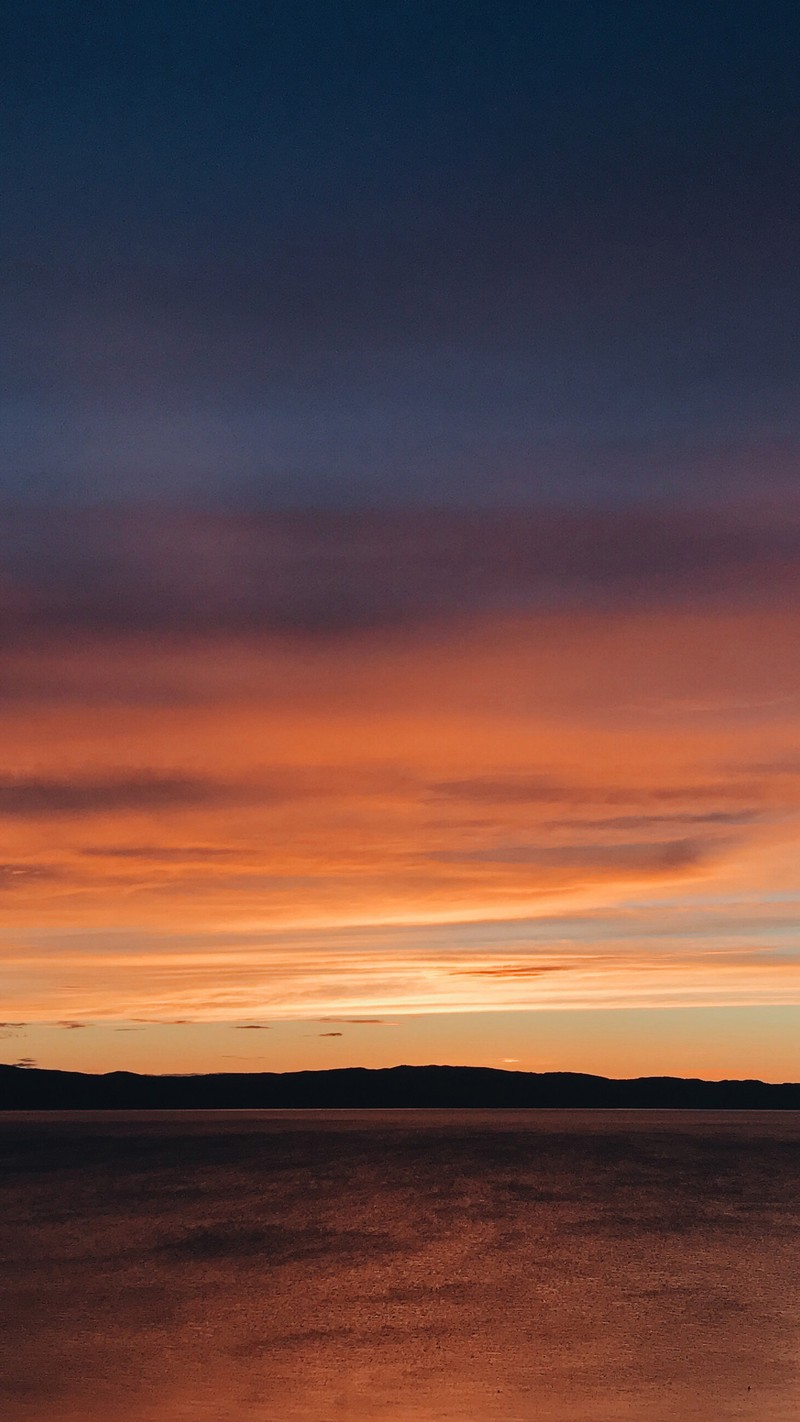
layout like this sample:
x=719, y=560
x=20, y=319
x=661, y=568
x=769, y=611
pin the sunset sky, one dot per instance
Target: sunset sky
x=400, y=536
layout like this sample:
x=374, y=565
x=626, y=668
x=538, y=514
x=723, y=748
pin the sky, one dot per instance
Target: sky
x=400, y=536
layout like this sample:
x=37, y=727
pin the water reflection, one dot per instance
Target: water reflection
x=557, y=1267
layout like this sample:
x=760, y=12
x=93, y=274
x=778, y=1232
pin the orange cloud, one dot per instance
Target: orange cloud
x=238, y=826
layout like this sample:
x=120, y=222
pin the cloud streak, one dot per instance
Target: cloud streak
x=332, y=575
x=647, y=855
x=17, y=876
x=41, y=796
x=655, y=822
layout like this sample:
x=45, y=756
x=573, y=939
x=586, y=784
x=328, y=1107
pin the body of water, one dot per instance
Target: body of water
x=420, y=1266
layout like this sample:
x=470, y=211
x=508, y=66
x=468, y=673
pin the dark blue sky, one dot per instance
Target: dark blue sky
x=351, y=253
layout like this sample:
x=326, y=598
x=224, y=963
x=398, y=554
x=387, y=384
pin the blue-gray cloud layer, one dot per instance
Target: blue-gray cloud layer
x=335, y=254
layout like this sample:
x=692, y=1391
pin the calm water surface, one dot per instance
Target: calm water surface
x=420, y=1266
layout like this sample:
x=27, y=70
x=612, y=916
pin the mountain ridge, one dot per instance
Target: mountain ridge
x=422, y=1087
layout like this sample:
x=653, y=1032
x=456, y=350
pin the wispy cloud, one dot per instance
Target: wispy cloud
x=656, y=822
x=37, y=796
x=332, y=823
x=162, y=853
x=358, y=1021
x=515, y=970
x=519, y=788
x=165, y=1021
x=18, y=875
x=332, y=575
x=647, y=855
x=509, y=789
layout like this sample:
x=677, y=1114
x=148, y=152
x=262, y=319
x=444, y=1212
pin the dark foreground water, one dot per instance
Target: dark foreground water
x=228, y=1267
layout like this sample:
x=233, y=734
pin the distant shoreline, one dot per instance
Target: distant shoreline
x=401, y=1087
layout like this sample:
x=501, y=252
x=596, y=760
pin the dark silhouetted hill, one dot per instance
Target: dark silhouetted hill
x=30, y=1089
